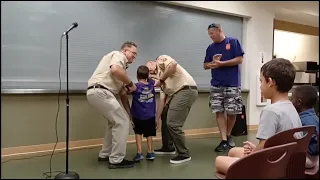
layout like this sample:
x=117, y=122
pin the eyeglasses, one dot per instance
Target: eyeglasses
x=134, y=53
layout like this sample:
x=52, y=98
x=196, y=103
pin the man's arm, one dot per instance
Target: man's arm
x=232, y=62
x=237, y=51
x=125, y=102
x=207, y=65
x=207, y=60
x=120, y=74
x=169, y=70
x=153, y=76
x=117, y=67
x=161, y=104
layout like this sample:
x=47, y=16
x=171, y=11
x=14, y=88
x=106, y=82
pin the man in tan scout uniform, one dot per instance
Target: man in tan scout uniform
x=167, y=143
x=179, y=87
x=106, y=86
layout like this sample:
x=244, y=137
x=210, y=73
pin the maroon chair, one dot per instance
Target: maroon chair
x=296, y=166
x=312, y=173
x=262, y=164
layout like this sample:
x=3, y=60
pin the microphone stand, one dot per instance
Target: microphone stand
x=67, y=174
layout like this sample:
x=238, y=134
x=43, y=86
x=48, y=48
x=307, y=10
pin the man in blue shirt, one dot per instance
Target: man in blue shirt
x=304, y=99
x=224, y=57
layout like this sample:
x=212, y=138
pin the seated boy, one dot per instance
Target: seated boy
x=276, y=77
x=143, y=110
x=304, y=98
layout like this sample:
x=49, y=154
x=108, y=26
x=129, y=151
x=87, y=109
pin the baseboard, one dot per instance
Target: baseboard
x=46, y=149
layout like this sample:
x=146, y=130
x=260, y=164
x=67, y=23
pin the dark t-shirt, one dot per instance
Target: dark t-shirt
x=309, y=118
x=143, y=105
x=225, y=76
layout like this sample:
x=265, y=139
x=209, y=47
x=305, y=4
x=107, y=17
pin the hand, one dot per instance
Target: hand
x=157, y=123
x=131, y=88
x=157, y=83
x=153, y=76
x=248, y=147
x=216, y=57
x=215, y=65
x=152, y=65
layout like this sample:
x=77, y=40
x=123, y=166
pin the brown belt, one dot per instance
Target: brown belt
x=183, y=88
x=97, y=86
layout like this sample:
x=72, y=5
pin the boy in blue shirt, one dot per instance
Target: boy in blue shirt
x=304, y=98
x=143, y=110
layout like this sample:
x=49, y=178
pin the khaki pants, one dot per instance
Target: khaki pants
x=167, y=142
x=117, y=130
x=178, y=111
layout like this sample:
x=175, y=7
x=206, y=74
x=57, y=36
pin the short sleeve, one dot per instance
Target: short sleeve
x=136, y=91
x=267, y=124
x=208, y=57
x=237, y=48
x=151, y=81
x=117, y=59
x=164, y=61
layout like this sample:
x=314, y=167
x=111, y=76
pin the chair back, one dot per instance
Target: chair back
x=262, y=164
x=296, y=166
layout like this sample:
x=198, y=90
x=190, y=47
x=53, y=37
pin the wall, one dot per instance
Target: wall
x=30, y=119
x=296, y=46
x=257, y=37
x=297, y=42
x=297, y=28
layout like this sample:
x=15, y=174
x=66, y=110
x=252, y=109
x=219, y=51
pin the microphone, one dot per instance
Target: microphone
x=74, y=25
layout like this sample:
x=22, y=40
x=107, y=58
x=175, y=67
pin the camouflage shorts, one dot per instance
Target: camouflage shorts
x=226, y=99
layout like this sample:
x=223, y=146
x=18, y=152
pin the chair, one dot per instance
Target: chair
x=313, y=173
x=259, y=165
x=296, y=166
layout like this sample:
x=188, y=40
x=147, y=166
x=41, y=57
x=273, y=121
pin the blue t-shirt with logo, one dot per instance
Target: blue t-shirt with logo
x=143, y=105
x=228, y=76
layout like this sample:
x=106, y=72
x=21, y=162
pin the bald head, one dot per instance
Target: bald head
x=152, y=65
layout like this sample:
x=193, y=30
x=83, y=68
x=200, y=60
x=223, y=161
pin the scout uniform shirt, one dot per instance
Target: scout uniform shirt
x=177, y=80
x=103, y=76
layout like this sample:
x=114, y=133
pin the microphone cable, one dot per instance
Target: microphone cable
x=49, y=174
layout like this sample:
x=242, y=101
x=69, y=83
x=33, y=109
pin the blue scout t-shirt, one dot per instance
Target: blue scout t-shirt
x=225, y=76
x=308, y=118
x=143, y=105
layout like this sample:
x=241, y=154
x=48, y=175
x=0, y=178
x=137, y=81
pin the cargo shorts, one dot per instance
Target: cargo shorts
x=225, y=99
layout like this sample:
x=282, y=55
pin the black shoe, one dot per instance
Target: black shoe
x=124, y=164
x=101, y=159
x=164, y=151
x=230, y=142
x=179, y=159
x=223, y=146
